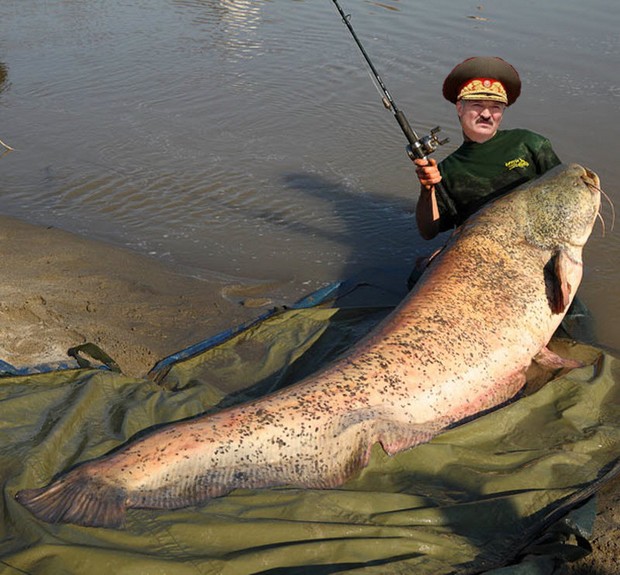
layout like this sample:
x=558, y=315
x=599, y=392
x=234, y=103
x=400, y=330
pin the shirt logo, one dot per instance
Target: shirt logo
x=517, y=163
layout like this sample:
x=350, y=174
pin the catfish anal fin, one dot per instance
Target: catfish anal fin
x=547, y=365
x=551, y=360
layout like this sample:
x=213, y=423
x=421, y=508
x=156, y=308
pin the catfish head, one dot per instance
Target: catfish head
x=562, y=209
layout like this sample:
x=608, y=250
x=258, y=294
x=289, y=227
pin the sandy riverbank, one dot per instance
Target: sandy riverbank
x=60, y=290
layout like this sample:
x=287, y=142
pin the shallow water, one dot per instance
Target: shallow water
x=245, y=139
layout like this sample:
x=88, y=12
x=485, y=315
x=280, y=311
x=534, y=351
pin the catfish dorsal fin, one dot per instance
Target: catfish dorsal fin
x=560, y=287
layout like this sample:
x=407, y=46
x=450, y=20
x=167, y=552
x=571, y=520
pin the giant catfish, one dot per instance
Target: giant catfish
x=458, y=344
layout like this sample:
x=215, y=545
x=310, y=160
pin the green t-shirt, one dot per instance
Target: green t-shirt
x=477, y=173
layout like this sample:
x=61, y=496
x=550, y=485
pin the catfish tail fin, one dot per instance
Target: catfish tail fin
x=77, y=498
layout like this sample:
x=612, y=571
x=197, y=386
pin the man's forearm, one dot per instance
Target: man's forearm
x=427, y=213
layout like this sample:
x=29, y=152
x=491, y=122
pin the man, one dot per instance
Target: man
x=490, y=162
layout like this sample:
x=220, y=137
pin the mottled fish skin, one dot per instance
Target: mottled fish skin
x=458, y=344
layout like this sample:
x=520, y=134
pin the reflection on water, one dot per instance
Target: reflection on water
x=3, y=77
x=4, y=147
x=231, y=24
x=244, y=137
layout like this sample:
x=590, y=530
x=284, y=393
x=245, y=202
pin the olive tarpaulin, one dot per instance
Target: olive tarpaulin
x=509, y=492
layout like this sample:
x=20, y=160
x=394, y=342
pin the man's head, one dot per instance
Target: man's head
x=481, y=88
x=480, y=119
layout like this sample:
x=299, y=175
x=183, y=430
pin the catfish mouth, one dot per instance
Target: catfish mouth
x=591, y=180
x=593, y=183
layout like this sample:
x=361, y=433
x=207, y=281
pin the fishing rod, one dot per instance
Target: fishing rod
x=417, y=147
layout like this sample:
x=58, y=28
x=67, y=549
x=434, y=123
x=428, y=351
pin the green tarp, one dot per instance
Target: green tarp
x=486, y=496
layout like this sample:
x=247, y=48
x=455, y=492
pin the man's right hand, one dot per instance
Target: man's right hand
x=427, y=172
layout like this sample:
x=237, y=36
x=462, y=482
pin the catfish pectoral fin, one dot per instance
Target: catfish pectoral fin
x=561, y=288
x=79, y=499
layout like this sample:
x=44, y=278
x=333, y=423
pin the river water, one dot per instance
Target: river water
x=245, y=139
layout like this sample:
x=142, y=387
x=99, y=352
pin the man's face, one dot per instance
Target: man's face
x=480, y=119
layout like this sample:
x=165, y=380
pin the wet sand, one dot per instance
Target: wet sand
x=605, y=539
x=60, y=290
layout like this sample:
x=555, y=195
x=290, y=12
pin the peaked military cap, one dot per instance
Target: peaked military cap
x=482, y=78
